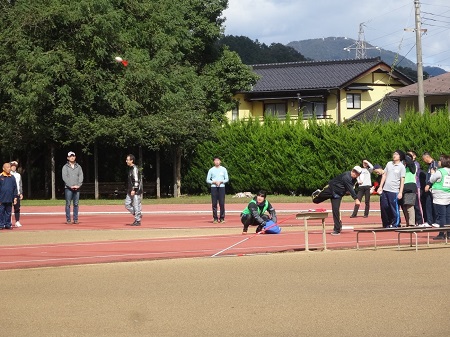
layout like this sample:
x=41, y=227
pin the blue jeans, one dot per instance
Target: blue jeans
x=72, y=196
x=442, y=215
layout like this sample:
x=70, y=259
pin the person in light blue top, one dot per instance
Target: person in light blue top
x=217, y=177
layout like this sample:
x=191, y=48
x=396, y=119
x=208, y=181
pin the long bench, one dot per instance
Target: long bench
x=374, y=231
x=415, y=230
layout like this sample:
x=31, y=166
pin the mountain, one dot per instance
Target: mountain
x=332, y=48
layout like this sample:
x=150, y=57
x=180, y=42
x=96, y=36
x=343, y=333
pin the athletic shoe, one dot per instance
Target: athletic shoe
x=136, y=223
x=439, y=237
x=7, y=227
x=353, y=216
x=18, y=224
x=335, y=233
x=424, y=225
x=315, y=193
x=222, y=221
x=215, y=221
x=435, y=225
x=68, y=222
x=75, y=222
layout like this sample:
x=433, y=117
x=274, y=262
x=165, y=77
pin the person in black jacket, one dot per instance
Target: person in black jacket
x=134, y=191
x=335, y=190
x=8, y=196
x=258, y=211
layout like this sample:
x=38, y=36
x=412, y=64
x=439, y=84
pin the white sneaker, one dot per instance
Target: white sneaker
x=424, y=225
x=316, y=193
x=18, y=224
x=436, y=225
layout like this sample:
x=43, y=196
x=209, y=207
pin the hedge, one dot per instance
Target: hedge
x=289, y=157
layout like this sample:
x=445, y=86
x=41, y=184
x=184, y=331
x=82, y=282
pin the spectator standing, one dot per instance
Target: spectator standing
x=8, y=196
x=217, y=177
x=408, y=200
x=364, y=185
x=18, y=177
x=391, y=190
x=440, y=180
x=133, y=200
x=72, y=175
x=335, y=190
x=418, y=213
x=429, y=211
x=378, y=170
x=258, y=212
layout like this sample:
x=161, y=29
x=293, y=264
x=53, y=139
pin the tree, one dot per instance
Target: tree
x=60, y=84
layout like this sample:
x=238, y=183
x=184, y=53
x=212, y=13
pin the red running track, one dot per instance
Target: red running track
x=169, y=216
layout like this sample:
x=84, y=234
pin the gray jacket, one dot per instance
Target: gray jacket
x=72, y=176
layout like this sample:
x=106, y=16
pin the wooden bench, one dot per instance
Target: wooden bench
x=308, y=215
x=374, y=231
x=108, y=189
x=428, y=230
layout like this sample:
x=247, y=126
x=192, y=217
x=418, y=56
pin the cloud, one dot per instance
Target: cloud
x=284, y=21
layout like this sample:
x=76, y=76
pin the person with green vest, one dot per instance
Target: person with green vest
x=409, y=192
x=258, y=211
x=440, y=180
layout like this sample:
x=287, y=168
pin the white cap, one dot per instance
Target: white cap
x=71, y=153
x=357, y=169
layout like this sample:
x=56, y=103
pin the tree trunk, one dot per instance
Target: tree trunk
x=158, y=175
x=52, y=170
x=96, y=191
x=177, y=173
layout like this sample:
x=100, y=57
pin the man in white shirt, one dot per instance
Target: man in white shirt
x=18, y=178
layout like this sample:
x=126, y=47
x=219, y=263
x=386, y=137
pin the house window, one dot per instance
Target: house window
x=235, y=112
x=313, y=110
x=353, y=101
x=436, y=107
x=275, y=109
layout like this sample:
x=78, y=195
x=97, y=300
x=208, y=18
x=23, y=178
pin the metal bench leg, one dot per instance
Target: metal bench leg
x=374, y=240
x=398, y=240
x=324, y=235
x=306, y=236
x=416, y=240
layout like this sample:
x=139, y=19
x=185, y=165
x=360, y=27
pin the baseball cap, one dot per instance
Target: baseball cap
x=357, y=169
x=377, y=166
x=14, y=163
x=71, y=153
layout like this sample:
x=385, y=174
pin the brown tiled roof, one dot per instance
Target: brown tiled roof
x=438, y=85
x=312, y=75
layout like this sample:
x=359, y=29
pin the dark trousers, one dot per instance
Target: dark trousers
x=429, y=211
x=390, y=212
x=248, y=220
x=218, y=196
x=17, y=209
x=335, y=205
x=418, y=208
x=363, y=191
x=5, y=214
x=442, y=216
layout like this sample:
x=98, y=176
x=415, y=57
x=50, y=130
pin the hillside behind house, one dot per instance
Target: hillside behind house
x=332, y=48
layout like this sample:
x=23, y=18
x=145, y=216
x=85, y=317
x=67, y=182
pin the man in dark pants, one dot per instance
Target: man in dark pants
x=335, y=190
x=217, y=177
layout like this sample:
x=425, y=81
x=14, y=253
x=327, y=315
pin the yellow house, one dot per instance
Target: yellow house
x=328, y=90
x=436, y=95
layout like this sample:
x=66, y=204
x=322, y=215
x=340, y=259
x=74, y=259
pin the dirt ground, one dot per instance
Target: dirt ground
x=333, y=293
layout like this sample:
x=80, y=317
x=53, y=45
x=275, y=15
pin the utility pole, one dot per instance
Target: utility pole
x=420, y=93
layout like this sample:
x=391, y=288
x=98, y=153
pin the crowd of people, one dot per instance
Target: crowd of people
x=423, y=196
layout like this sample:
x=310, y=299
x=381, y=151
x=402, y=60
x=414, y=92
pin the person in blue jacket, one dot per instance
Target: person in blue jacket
x=8, y=196
x=217, y=177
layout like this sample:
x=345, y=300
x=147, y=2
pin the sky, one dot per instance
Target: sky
x=384, y=23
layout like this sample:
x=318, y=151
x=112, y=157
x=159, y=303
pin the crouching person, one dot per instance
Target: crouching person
x=258, y=212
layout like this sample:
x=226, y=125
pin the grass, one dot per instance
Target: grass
x=190, y=199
